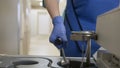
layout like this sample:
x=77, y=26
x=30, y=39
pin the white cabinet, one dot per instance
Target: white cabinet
x=9, y=28
x=14, y=33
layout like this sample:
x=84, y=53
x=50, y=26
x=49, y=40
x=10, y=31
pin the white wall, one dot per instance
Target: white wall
x=40, y=22
x=43, y=22
x=25, y=27
x=33, y=22
x=9, y=29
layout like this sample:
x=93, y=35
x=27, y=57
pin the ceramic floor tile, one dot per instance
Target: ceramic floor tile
x=40, y=46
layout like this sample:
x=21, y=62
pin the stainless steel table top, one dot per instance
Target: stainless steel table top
x=33, y=61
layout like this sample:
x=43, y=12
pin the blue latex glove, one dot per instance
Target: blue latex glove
x=59, y=31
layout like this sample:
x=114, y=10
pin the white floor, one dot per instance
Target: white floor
x=40, y=46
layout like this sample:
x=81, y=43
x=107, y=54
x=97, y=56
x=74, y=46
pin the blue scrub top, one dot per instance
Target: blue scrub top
x=81, y=15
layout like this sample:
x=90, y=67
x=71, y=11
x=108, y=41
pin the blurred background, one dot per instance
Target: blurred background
x=25, y=27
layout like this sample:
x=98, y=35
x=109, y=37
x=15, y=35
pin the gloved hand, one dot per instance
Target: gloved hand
x=58, y=31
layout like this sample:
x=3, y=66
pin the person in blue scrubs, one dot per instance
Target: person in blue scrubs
x=80, y=15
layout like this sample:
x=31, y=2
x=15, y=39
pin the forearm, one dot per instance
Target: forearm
x=52, y=7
